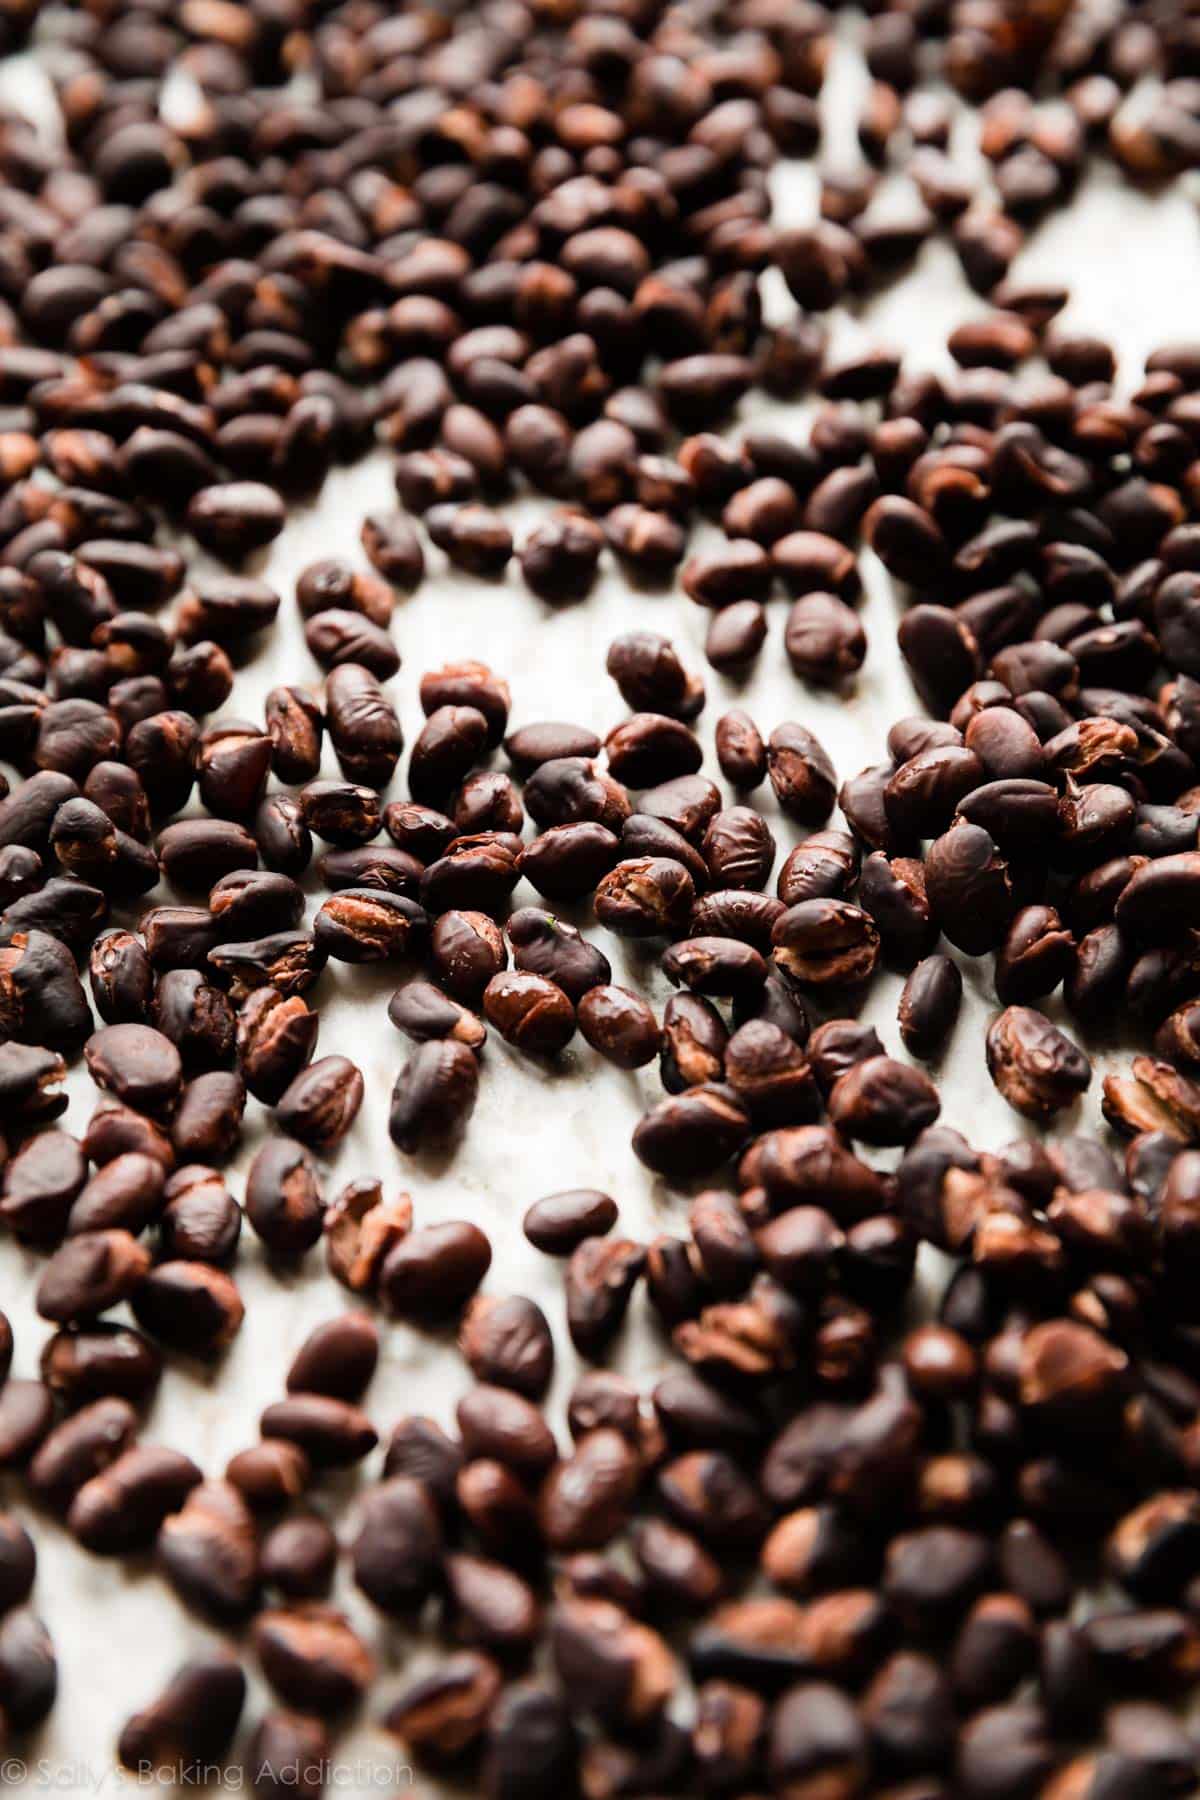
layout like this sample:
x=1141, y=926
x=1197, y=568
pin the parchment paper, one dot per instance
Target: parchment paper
x=1134, y=267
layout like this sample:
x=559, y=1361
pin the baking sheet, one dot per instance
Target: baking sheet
x=1133, y=262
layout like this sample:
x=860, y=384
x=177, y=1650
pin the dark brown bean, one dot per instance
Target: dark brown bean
x=560, y=558
x=194, y=1717
x=443, y=1714
x=26, y=1415
x=600, y=1278
x=824, y=639
x=90, y=1273
x=40, y=1185
x=434, y=1094
x=288, y=1753
x=1036, y=1068
x=498, y=1423
x=740, y=750
x=645, y=896
x=969, y=888
x=121, y=1508
x=826, y=942
x=137, y=1064
x=363, y=725
x=79, y=1448
x=434, y=1271
x=313, y=1658
x=929, y=1005
x=396, y=1553
x=201, y=1220
x=557, y=1224
x=270, y=1474
x=735, y=636
x=425, y=1014
x=126, y=1193
x=337, y=1358
x=284, y=1202
x=235, y=518
x=276, y=1036
x=295, y=727
x=881, y=1100
x=331, y=1432
x=81, y=1366
x=189, y=1305
x=493, y=1605
x=530, y=1012
x=583, y=1500
x=801, y=774
x=619, y=1024
x=319, y=1106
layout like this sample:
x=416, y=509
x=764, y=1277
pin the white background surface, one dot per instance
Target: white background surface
x=1133, y=262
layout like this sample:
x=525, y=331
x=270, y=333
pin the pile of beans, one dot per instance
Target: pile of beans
x=839, y=1549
